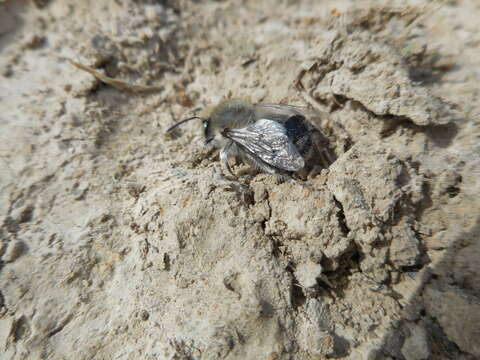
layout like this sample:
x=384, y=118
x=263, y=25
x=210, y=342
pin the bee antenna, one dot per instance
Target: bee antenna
x=183, y=121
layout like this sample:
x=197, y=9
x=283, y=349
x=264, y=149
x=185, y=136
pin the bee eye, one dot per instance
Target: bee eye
x=206, y=131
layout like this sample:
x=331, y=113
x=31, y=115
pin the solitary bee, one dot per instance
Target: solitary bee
x=273, y=138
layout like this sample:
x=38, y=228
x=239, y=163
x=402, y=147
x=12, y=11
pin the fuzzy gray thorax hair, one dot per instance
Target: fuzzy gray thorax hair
x=233, y=114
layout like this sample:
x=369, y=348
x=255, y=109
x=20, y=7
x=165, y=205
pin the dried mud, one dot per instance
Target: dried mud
x=120, y=242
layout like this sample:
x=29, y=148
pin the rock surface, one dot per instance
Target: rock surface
x=121, y=242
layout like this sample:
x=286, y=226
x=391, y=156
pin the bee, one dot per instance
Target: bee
x=273, y=138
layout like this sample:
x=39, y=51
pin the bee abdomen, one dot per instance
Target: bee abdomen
x=299, y=133
x=309, y=141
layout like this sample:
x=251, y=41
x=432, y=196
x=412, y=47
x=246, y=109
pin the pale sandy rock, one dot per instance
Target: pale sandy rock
x=363, y=68
x=404, y=250
x=458, y=313
x=14, y=250
x=371, y=198
x=308, y=273
x=137, y=246
x=416, y=345
x=315, y=336
x=6, y=326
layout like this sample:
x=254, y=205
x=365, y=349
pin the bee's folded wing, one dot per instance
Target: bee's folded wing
x=268, y=140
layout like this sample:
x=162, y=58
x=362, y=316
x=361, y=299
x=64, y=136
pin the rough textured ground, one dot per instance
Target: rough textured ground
x=119, y=242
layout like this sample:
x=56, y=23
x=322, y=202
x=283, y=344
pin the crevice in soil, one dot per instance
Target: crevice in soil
x=298, y=298
x=341, y=217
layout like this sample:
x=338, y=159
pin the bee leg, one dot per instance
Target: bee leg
x=224, y=155
x=285, y=178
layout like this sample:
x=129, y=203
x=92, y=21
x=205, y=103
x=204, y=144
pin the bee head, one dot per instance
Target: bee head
x=231, y=114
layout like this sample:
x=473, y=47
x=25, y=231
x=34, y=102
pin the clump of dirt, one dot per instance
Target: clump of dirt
x=119, y=241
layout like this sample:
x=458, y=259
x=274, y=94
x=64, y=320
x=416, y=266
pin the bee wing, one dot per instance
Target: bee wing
x=283, y=112
x=281, y=109
x=268, y=140
x=277, y=112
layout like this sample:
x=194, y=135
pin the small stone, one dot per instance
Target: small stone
x=145, y=34
x=260, y=193
x=144, y=315
x=416, y=346
x=14, y=250
x=8, y=71
x=404, y=250
x=317, y=342
x=448, y=183
x=40, y=4
x=152, y=13
x=308, y=273
x=273, y=356
x=34, y=42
